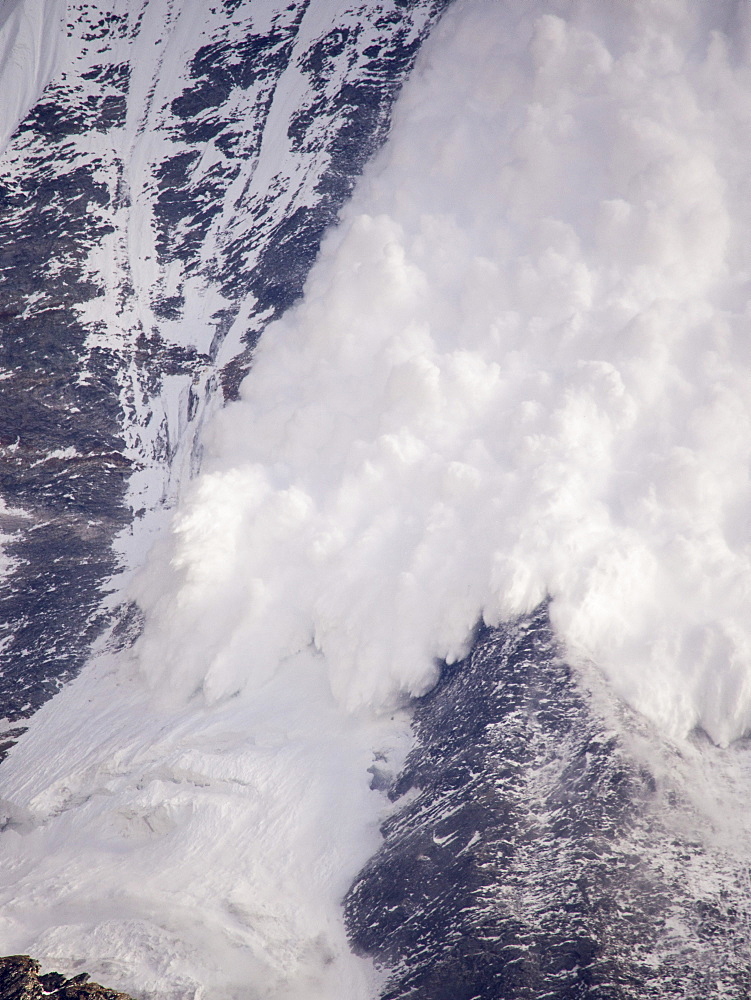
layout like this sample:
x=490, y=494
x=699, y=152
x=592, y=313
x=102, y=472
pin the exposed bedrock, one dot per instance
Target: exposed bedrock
x=20, y=979
x=544, y=843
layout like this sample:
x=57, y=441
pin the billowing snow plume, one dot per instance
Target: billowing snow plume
x=521, y=367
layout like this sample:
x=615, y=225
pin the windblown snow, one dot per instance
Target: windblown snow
x=521, y=367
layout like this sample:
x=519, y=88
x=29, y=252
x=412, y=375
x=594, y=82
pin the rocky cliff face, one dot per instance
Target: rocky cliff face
x=161, y=202
x=545, y=843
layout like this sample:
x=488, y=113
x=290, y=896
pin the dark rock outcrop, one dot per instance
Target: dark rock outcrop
x=20, y=979
x=548, y=847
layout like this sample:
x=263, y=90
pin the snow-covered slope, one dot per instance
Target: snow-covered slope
x=162, y=201
x=32, y=46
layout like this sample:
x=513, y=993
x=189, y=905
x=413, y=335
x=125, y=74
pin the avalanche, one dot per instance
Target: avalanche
x=520, y=367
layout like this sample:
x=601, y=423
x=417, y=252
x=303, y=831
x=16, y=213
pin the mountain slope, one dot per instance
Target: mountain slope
x=510, y=387
x=553, y=845
x=163, y=201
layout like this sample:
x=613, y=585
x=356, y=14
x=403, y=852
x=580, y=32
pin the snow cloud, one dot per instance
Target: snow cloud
x=520, y=367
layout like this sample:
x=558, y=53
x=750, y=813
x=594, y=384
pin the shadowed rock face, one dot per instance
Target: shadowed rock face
x=20, y=980
x=533, y=852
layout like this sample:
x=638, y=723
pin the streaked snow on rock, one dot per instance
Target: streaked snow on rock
x=161, y=202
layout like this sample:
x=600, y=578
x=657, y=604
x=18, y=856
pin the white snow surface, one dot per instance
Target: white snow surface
x=521, y=367
x=170, y=853
x=32, y=45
